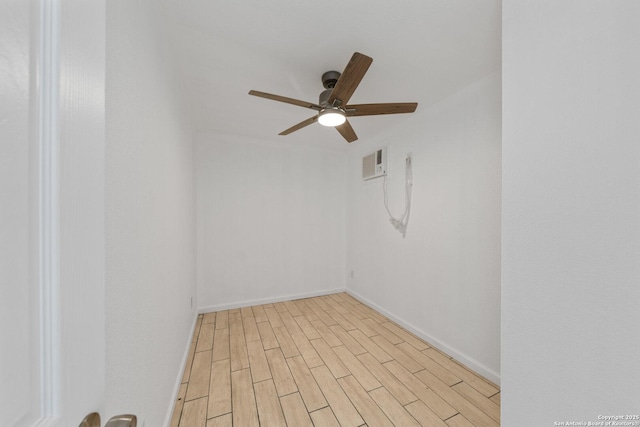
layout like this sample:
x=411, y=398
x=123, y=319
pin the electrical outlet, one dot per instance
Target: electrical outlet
x=191, y=302
x=352, y=274
x=408, y=159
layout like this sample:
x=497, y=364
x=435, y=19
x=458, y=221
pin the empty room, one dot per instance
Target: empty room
x=297, y=213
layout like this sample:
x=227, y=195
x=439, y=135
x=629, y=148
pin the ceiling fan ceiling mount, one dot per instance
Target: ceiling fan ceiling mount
x=333, y=108
x=329, y=79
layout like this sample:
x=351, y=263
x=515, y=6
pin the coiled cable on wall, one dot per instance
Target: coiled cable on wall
x=401, y=223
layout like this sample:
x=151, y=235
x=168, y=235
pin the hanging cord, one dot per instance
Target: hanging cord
x=401, y=223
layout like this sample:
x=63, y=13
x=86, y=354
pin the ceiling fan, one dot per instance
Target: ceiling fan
x=332, y=107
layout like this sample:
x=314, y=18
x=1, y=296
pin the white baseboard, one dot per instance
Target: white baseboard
x=469, y=362
x=183, y=364
x=248, y=303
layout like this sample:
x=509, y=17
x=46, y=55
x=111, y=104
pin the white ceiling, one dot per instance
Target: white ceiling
x=422, y=50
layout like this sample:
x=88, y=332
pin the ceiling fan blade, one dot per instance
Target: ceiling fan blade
x=350, y=78
x=285, y=100
x=347, y=131
x=300, y=125
x=376, y=109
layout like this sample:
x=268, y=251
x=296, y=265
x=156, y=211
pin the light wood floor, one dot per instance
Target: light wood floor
x=324, y=361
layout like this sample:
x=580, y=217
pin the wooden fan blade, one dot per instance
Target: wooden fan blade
x=376, y=109
x=285, y=99
x=300, y=125
x=347, y=131
x=350, y=78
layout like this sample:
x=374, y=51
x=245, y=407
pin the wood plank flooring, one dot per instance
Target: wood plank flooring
x=324, y=361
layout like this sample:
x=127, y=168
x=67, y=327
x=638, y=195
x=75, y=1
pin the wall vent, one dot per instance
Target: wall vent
x=375, y=164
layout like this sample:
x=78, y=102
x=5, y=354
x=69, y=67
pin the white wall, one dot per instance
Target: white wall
x=271, y=221
x=150, y=223
x=443, y=280
x=571, y=211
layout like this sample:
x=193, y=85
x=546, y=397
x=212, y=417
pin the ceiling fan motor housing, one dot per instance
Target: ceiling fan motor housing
x=324, y=97
x=329, y=80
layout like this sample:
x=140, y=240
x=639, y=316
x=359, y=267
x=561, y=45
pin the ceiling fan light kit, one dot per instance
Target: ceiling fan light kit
x=332, y=107
x=331, y=116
